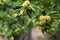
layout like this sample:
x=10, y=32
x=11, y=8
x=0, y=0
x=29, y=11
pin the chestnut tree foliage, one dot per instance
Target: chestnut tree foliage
x=19, y=16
